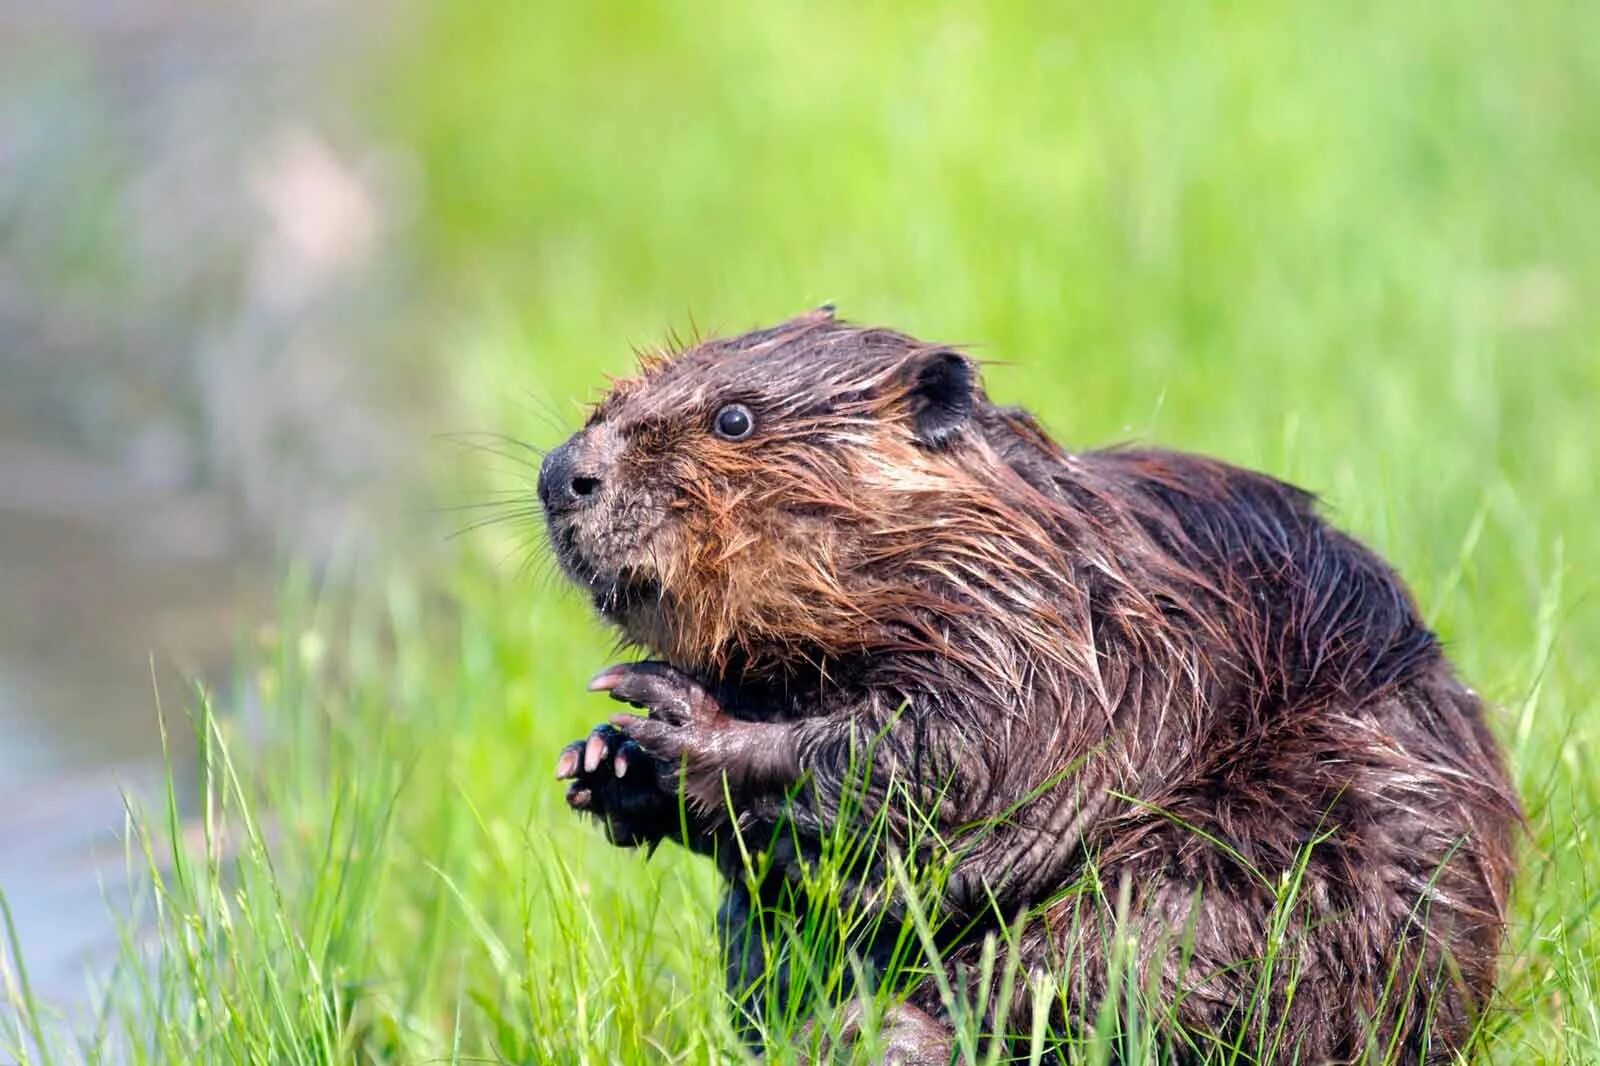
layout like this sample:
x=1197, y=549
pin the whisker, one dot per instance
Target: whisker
x=526, y=490
x=503, y=438
x=535, y=565
x=541, y=406
x=466, y=443
x=490, y=520
x=454, y=508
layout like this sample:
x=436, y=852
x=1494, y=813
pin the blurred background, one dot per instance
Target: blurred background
x=210, y=369
x=265, y=270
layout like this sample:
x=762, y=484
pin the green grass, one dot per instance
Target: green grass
x=1355, y=245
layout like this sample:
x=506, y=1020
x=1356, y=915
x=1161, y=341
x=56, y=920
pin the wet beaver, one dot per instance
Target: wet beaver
x=1134, y=694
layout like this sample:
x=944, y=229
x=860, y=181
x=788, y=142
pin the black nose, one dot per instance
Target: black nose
x=561, y=486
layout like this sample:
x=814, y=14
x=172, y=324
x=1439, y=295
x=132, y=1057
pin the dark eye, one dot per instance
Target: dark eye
x=734, y=422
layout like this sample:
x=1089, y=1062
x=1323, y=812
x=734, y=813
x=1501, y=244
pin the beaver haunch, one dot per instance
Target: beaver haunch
x=1151, y=671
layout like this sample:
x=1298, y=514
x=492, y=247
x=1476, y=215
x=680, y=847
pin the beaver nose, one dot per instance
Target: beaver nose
x=561, y=486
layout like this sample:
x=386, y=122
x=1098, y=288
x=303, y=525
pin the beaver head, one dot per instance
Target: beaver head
x=771, y=497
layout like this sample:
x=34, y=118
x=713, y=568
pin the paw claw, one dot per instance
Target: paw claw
x=667, y=693
x=578, y=797
x=593, y=752
x=567, y=765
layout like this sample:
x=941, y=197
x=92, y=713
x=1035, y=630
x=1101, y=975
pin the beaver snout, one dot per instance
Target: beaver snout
x=565, y=484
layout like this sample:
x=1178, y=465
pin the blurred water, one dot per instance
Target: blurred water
x=195, y=380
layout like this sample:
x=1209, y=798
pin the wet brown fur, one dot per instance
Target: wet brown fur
x=1152, y=671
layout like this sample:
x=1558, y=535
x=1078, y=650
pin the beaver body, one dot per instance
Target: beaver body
x=1129, y=693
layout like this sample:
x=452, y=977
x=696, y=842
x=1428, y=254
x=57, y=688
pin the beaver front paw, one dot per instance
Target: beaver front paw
x=670, y=695
x=707, y=753
x=687, y=733
x=617, y=782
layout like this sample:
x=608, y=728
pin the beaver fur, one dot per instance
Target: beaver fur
x=1151, y=673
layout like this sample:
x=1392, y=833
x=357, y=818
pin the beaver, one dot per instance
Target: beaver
x=1133, y=694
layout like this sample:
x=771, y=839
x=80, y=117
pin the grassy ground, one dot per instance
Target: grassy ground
x=1354, y=245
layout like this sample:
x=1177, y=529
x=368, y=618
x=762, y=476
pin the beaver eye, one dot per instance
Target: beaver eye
x=734, y=422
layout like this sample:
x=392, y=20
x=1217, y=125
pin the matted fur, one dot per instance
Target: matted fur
x=1153, y=670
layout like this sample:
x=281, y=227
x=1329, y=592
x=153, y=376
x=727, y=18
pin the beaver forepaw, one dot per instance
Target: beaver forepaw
x=669, y=695
x=613, y=780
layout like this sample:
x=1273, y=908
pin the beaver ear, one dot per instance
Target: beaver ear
x=943, y=395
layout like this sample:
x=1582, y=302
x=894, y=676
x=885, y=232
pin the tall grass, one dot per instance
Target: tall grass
x=358, y=890
x=1354, y=245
